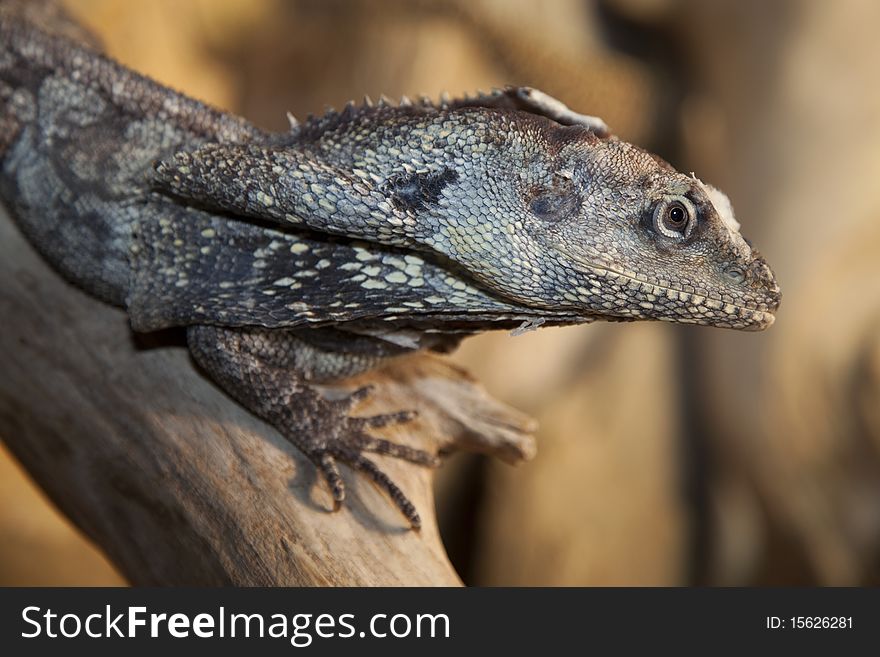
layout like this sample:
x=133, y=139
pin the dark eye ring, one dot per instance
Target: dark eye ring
x=675, y=217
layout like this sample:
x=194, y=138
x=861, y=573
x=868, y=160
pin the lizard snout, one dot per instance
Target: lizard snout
x=765, y=282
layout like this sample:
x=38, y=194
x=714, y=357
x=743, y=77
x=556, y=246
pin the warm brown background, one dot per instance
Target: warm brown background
x=666, y=455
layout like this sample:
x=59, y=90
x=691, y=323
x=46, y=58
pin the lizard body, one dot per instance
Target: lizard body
x=299, y=258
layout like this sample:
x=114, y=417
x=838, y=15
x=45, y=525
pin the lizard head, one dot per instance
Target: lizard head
x=627, y=236
x=535, y=202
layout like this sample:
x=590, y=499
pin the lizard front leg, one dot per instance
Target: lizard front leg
x=271, y=373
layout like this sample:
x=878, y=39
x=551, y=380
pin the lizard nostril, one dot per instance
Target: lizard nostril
x=735, y=274
x=761, y=273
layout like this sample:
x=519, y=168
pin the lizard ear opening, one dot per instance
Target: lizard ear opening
x=555, y=204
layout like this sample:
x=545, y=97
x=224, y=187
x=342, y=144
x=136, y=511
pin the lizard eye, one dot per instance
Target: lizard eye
x=675, y=217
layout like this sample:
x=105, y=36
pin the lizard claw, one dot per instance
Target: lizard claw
x=330, y=470
x=359, y=395
x=362, y=464
x=353, y=458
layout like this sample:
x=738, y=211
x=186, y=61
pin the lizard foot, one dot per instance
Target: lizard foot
x=344, y=438
x=256, y=368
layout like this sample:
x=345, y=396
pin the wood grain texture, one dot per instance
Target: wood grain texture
x=179, y=485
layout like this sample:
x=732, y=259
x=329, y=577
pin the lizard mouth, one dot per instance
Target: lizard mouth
x=750, y=316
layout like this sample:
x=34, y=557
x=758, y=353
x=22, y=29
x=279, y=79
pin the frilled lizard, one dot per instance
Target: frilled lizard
x=299, y=258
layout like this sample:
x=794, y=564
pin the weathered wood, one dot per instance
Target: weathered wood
x=179, y=485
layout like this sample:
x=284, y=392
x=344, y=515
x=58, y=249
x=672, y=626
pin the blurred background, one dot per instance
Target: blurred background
x=667, y=455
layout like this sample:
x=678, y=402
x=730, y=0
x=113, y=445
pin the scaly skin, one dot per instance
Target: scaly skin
x=313, y=255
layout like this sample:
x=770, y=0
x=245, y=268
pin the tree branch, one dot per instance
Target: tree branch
x=179, y=485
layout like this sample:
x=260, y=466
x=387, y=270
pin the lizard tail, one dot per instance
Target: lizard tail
x=78, y=137
x=50, y=199
x=48, y=16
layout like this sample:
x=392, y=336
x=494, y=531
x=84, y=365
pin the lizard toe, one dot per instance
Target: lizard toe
x=327, y=465
x=362, y=464
x=369, y=443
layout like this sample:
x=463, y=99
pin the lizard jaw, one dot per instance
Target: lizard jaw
x=750, y=317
